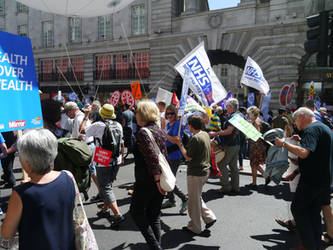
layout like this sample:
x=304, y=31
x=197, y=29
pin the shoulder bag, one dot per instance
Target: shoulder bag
x=167, y=179
x=84, y=236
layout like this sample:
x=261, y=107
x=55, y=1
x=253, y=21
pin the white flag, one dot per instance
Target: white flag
x=253, y=76
x=204, y=83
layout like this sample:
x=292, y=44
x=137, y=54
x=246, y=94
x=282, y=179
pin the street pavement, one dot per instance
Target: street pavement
x=244, y=221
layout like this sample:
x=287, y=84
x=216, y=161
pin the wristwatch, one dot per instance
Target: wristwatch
x=284, y=143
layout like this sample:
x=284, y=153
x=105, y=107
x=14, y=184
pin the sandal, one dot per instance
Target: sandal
x=287, y=224
x=327, y=240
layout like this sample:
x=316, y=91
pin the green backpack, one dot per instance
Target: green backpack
x=75, y=156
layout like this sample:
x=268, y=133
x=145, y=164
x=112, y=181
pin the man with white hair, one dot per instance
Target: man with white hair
x=229, y=137
x=315, y=160
x=72, y=111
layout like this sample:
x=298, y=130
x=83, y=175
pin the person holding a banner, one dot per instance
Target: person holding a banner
x=148, y=195
x=174, y=128
x=197, y=155
x=229, y=137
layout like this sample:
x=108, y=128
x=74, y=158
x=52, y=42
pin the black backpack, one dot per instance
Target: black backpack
x=111, y=138
x=326, y=120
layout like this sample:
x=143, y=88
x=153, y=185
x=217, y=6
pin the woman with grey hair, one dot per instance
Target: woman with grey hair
x=41, y=210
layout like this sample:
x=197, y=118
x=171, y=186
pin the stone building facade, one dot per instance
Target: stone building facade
x=146, y=39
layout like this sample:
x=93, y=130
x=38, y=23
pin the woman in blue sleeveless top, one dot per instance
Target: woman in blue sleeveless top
x=41, y=210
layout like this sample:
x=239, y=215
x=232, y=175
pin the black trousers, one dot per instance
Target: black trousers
x=174, y=165
x=306, y=208
x=145, y=210
x=7, y=165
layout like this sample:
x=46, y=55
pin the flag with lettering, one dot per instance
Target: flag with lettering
x=19, y=93
x=253, y=76
x=204, y=83
x=183, y=99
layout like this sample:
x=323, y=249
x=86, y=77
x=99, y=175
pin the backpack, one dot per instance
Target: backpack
x=75, y=156
x=326, y=120
x=265, y=127
x=111, y=138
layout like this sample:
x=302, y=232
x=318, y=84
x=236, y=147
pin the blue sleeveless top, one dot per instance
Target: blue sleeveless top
x=47, y=215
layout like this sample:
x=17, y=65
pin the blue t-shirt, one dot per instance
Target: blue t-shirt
x=173, y=131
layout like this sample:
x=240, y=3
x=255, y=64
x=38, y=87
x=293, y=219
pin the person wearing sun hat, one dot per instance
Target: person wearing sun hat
x=106, y=175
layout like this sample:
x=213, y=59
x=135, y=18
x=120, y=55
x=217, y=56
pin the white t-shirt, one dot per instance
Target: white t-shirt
x=66, y=122
x=96, y=130
x=76, y=125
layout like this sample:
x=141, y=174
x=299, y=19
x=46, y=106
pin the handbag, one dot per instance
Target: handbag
x=167, y=178
x=84, y=236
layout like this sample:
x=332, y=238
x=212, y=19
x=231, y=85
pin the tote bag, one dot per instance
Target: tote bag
x=167, y=179
x=84, y=236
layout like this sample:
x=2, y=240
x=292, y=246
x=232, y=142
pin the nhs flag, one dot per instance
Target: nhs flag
x=253, y=76
x=204, y=83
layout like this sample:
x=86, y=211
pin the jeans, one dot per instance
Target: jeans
x=145, y=210
x=174, y=165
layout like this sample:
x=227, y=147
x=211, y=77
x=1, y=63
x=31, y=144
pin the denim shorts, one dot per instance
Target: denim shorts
x=106, y=176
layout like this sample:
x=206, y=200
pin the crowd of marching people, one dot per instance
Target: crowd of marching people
x=148, y=130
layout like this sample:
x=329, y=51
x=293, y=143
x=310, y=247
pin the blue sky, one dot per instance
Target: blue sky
x=221, y=4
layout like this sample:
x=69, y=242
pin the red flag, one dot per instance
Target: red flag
x=175, y=100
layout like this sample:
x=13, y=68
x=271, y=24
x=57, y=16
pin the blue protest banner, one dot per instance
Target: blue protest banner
x=250, y=99
x=19, y=93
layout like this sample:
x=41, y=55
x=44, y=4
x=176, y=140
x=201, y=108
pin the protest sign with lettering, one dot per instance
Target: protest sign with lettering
x=19, y=93
x=163, y=96
x=102, y=156
x=244, y=126
x=204, y=83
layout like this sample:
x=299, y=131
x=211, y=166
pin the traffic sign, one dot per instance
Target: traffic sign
x=115, y=98
x=283, y=95
x=127, y=97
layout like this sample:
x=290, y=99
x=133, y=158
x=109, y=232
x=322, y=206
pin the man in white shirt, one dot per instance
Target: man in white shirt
x=72, y=111
x=106, y=175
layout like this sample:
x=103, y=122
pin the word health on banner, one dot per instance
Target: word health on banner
x=18, y=84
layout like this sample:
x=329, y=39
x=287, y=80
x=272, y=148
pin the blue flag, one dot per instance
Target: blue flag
x=19, y=93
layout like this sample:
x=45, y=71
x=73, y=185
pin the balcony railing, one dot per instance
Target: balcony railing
x=54, y=77
x=113, y=74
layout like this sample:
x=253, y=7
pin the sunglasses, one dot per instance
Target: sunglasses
x=172, y=113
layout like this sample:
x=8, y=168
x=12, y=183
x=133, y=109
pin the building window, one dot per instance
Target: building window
x=2, y=7
x=74, y=29
x=22, y=30
x=62, y=69
x=142, y=61
x=224, y=72
x=138, y=19
x=122, y=66
x=21, y=8
x=47, y=34
x=103, y=67
x=104, y=27
x=46, y=67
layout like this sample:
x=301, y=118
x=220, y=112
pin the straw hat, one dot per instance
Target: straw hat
x=107, y=111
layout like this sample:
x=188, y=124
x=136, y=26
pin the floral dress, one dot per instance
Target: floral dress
x=257, y=150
